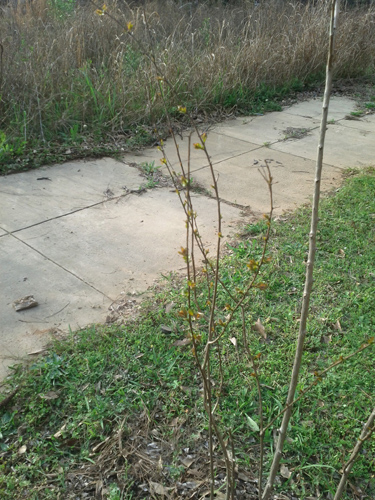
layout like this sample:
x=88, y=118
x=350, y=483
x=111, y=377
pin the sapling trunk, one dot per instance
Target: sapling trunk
x=310, y=262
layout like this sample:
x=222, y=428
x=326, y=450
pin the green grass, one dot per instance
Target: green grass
x=134, y=374
x=265, y=99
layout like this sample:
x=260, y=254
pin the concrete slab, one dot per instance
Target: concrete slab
x=31, y=197
x=2, y=232
x=218, y=149
x=338, y=108
x=344, y=146
x=293, y=177
x=366, y=123
x=64, y=301
x=264, y=129
x=124, y=245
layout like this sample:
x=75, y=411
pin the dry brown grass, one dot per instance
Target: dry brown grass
x=63, y=71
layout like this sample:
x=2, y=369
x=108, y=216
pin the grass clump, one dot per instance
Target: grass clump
x=102, y=396
x=74, y=84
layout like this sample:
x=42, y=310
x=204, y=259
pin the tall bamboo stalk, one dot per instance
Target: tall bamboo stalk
x=311, y=259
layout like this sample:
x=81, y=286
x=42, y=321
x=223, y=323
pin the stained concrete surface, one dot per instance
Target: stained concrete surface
x=129, y=241
x=240, y=181
x=77, y=236
x=262, y=130
x=338, y=108
x=220, y=150
x=345, y=146
x=34, y=197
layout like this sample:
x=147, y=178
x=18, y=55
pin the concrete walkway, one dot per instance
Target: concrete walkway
x=83, y=242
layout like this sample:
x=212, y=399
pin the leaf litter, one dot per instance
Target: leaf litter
x=139, y=460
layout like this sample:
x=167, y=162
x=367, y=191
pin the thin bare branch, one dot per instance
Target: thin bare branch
x=366, y=433
x=261, y=420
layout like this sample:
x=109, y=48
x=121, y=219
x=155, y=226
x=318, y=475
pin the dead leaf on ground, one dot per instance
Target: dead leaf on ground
x=187, y=462
x=169, y=307
x=59, y=432
x=158, y=489
x=337, y=326
x=182, y=342
x=326, y=339
x=271, y=319
x=258, y=327
x=192, y=485
x=49, y=395
x=43, y=332
x=284, y=471
x=218, y=494
x=246, y=479
x=175, y=422
x=195, y=473
x=34, y=353
x=166, y=329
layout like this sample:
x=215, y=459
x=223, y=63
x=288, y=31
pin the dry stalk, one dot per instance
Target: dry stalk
x=310, y=262
x=255, y=373
x=366, y=433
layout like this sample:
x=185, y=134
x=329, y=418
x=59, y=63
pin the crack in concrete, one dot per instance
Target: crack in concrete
x=65, y=214
x=57, y=264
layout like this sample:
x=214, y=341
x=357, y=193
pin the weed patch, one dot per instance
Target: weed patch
x=74, y=81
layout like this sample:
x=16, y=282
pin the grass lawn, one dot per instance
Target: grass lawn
x=116, y=411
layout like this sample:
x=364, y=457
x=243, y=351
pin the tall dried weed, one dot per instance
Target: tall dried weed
x=69, y=69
